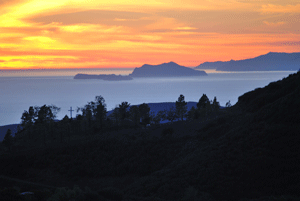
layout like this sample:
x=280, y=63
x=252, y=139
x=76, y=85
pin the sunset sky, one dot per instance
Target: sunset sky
x=122, y=33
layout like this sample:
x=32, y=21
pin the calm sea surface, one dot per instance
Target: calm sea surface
x=19, y=90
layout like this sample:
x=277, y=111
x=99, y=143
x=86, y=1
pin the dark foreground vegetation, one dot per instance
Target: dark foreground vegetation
x=246, y=152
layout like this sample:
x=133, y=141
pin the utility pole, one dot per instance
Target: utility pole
x=70, y=111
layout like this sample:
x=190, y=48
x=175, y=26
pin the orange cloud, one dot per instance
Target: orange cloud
x=270, y=8
x=273, y=24
x=77, y=34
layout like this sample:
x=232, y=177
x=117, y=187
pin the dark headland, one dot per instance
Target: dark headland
x=273, y=61
x=170, y=69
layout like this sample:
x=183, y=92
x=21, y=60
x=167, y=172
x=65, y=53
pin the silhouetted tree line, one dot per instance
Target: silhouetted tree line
x=38, y=124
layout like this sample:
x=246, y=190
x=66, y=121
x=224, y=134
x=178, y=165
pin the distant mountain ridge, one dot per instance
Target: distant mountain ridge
x=170, y=69
x=273, y=61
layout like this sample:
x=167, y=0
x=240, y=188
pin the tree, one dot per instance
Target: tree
x=161, y=115
x=116, y=115
x=100, y=110
x=93, y=113
x=134, y=114
x=144, y=110
x=45, y=120
x=215, y=105
x=181, y=107
x=155, y=118
x=65, y=127
x=123, y=110
x=46, y=113
x=87, y=111
x=8, y=139
x=100, y=100
x=193, y=113
x=203, y=102
x=28, y=119
x=228, y=104
x=204, y=106
x=171, y=114
x=208, y=108
x=94, y=108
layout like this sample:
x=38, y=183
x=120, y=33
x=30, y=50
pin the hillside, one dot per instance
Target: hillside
x=273, y=61
x=248, y=152
x=170, y=69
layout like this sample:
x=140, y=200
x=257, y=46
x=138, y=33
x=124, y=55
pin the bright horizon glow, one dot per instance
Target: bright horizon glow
x=126, y=34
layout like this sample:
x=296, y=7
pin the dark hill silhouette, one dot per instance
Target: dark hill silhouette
x=272, y=61
x=279, y=101
x=170, y=69
x=250, y=152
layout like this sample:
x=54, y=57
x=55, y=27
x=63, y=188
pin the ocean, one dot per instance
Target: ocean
x=21, y=89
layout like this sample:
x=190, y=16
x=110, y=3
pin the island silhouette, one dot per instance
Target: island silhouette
x=110, y=77
x=170, y=69
x=273, y=61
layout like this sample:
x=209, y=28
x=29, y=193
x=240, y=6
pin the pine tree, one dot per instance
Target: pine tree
x=124, y=113
x=204, y=106
x=116, y=115
x=203, y=102
x=192, y=114
x=215, y=104
x=171, y=114
x=181, y=107
x=100, y=111
x=134, y=114
x=144, y=110
x=28, y=119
